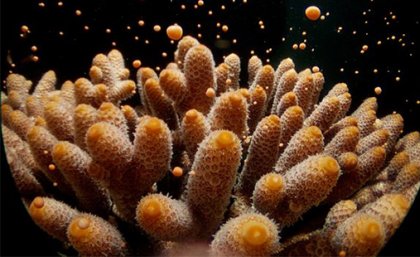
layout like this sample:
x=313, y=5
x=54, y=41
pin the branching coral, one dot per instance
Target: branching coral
x=206, y=160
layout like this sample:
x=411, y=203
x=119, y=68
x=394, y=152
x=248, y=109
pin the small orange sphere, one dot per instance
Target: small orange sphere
x=174, y=32
x=313, y=13
x=156, y=28
x=177, y=171
x=378, y=90
x=136, y=64
x=24, y=29
x=302, y=46
x=210, y=92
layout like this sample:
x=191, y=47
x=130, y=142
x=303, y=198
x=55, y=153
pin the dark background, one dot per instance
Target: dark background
x=70, y=56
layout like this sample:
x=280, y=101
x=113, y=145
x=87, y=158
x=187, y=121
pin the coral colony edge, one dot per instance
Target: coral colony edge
x=207, y=164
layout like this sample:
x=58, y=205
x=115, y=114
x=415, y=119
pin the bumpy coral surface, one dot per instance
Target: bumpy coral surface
x=207, y=160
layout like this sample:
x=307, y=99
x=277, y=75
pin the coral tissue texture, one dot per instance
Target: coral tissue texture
x=206, y=164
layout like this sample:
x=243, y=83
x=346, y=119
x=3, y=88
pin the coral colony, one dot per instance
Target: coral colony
x=204, y=163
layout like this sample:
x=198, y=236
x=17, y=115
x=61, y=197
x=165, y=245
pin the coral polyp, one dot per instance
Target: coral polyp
x=194, y=156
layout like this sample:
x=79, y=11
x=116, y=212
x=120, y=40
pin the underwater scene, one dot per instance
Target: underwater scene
x=209, y=128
